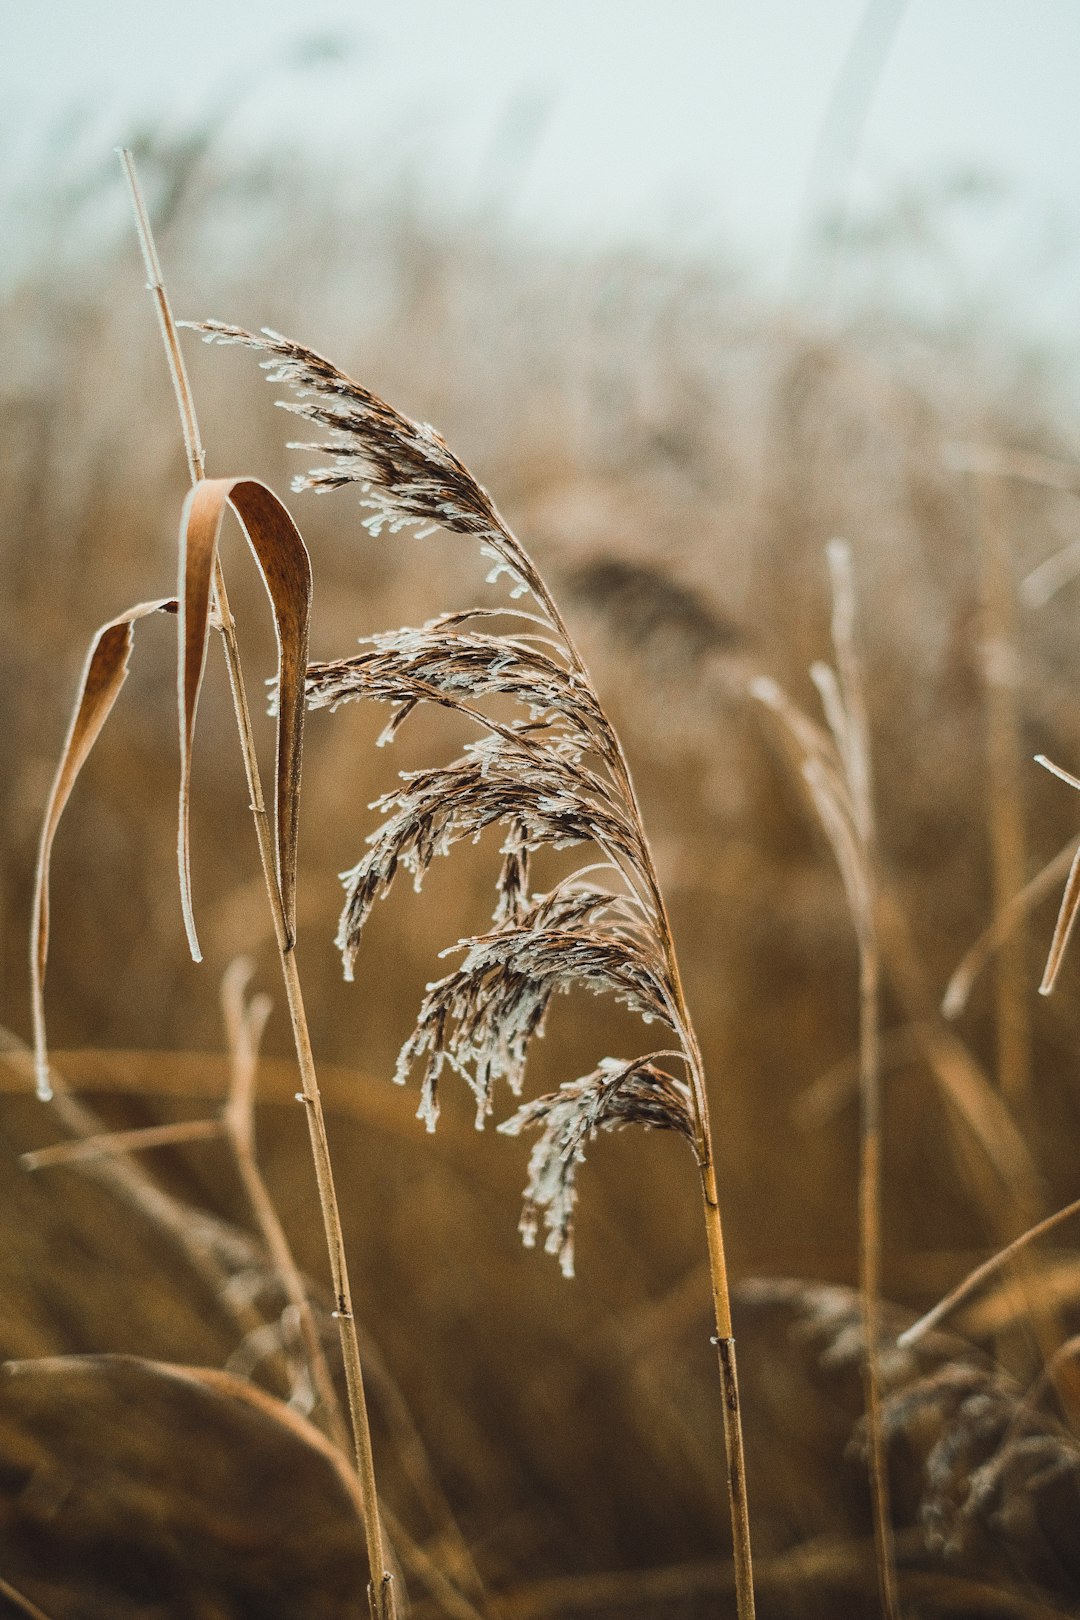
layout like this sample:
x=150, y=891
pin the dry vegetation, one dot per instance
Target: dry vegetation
x=676, y=458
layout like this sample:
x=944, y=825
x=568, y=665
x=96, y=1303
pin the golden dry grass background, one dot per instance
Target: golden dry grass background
x=676, y=455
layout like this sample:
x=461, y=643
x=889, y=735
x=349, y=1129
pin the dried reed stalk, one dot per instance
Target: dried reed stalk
x=102, y=1144
x=216, y=1251
x=554, y=777
x=675, y=629
x=1070, y=900
x=836, y=770
x=1005, y=920
x=991, y=1483
x=245, y=1020
x=20, y=1602
x=989, y=1268
x=277, y=882
x=1006, y=810
x=224, y=1257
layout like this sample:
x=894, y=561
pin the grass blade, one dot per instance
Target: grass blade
x=104, y=673
x=283, y=561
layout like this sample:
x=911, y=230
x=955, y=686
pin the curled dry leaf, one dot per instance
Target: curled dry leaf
x=617, y=1093
x=286, y=571
x=104, y=673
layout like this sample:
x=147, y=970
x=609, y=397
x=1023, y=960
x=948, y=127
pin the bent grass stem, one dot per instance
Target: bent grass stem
x=734, y=1448
x=380, y=1591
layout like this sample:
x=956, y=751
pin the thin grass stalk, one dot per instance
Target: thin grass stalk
x=1070, y=900
x=836, y=772
x=734, y=1447
x=989, y=1268
x=448, y=1556
x=852, y=729
x=111, y=1142
x=201, y=1239
x=21, y=1602
x=245, y=1023
x=213, y=1249
x=1004, y=921
x=1006, y=811
x=420, y=1562
x=961, y=1079
x=1019, y=1195
x=129, y=1182
x=870, y=1262
x=380, y=1591
x=234, y=1127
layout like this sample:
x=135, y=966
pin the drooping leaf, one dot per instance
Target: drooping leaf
x=283, y=562
x=104, y=673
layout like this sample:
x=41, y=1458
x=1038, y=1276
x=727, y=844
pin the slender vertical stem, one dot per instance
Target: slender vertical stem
x=870, y=1262
x=836, y=771
x=185, y=400
x=729, y=1387
x=380, y=1591
x=1006, y=810
x=734, y=1450
x=851, y=730
x=245, y=1022
x=21, y=1602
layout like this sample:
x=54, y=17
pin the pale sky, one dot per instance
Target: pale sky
x=697, y=120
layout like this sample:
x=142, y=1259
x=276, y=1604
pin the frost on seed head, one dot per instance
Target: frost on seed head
x=552, y=777
x=615, y=1094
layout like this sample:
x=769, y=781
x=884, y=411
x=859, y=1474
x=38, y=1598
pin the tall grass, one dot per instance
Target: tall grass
x=554, y=777
x=679, y=455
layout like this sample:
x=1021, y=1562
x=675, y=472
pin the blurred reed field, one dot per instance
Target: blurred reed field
x=676, y=455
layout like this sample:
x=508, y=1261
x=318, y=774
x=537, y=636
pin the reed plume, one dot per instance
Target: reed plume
x=835, y=766
x=986, y=1475
x=554, y=776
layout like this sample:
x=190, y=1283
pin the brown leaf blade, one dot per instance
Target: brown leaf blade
x=104, y=673
x=1070, y=900
x=1070, y=904
x=283, y=562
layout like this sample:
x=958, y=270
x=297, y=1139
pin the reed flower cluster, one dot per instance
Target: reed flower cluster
x=554, y=776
